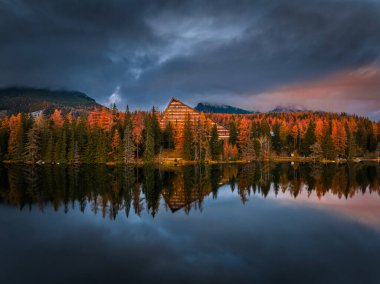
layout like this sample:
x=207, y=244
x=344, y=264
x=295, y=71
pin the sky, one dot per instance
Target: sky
x=251, y=54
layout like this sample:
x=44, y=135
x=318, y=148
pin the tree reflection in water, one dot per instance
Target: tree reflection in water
x=110, y=190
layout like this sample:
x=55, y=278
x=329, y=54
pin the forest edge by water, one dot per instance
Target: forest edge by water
x=108, y=136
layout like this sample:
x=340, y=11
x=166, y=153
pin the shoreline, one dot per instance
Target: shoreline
x=181, y=162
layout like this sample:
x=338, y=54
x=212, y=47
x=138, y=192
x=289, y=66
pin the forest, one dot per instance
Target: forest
x=106, y=135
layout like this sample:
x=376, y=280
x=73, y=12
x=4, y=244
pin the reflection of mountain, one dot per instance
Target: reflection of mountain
x=110, y=191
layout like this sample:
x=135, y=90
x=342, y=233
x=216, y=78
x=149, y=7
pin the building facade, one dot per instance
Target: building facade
x=177, y=113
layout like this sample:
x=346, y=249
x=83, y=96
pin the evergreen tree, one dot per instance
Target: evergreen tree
x=95, y=142
x=188, y=150
x=276, y=139
x=308, y=140
x=168, y=136
x=328, y=147
x=116, y=147
x=32, y=146
x=214, y=143
x=48, y=155
x=76, y=158
x=82, y=135
x=157, y=133
x=73, y=144
x=372, y=142
x=234, y=133
x=148, y=154
x=351, y=144
x=316, y=151
x=129, y=145
x=64, y=142
x=101, y=152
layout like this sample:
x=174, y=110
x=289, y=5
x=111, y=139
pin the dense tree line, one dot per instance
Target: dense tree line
x=110, y=136
x=311, y=134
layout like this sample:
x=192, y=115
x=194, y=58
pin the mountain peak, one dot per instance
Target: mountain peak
x=220, y=108
x=290, y=108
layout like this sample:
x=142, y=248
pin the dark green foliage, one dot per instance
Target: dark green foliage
x=215, y=146
x=149, y=141
x=129, y=146
x=275, y=138
x=32, y=146
x=328, y=147
x=157, y=133
x=308, y=140
x=188, y=149
x=48, y=153
x=4, y=136
x=372, y=142
x=168, y=136
x=234, y=133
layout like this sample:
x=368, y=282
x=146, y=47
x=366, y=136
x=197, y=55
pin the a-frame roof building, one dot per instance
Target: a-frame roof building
x=178, y=112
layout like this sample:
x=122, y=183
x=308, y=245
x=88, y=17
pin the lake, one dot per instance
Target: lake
x=253, y=223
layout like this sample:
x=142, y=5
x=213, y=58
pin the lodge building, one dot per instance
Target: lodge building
x=177, y=113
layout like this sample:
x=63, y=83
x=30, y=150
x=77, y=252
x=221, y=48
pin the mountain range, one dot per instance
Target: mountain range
x=25, y=99
x=214, y=108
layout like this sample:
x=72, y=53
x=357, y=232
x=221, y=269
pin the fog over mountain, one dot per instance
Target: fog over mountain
x=240, y=53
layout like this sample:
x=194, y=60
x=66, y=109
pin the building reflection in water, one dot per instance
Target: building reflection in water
x=109, y=190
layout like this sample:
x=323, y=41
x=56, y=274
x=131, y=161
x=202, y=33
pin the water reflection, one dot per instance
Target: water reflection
x=109, y=191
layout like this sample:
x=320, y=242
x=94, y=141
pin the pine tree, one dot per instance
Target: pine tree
x=32, y=146
x=188, y=150
x=308, y=140
x=48, y=155
x=276, y=139
x=351, y=144
x=157, y=133
x=316, y=151
x=94, y=142
x=129, y=145
x=73, y=144
x=328, y=147
x=149, y=141
x=168, y=136
x=101, y=147
x=214, y=143
x=63, y=150
x=57, y=144
x=116, y=146
x=234, y=133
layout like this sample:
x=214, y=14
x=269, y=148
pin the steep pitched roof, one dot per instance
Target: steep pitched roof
x=177, y=112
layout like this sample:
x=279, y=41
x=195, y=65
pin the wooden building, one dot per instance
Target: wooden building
x=177, y=113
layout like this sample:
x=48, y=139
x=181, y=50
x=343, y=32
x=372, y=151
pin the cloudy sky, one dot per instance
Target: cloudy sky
x=252, y=54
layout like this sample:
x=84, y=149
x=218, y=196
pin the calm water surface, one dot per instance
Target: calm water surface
x=276, y=223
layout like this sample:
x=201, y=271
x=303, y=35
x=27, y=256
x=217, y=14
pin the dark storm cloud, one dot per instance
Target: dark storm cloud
x=221, y=51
